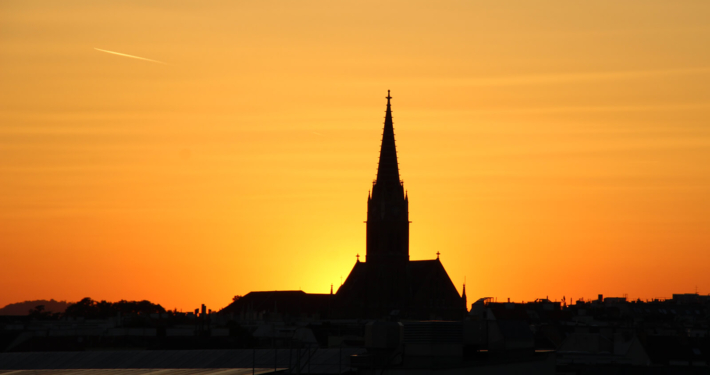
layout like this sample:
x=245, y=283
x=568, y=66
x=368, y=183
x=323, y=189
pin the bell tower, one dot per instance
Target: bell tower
x=387, y=204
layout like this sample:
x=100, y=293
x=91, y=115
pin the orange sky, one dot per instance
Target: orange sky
x=550, y=148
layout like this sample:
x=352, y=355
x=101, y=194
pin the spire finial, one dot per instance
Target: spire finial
x=437, y=255
x=388, y=96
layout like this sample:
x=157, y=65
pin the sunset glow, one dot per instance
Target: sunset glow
x=549, y=148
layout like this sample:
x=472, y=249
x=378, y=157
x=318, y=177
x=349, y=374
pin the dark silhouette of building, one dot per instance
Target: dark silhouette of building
x=388, y=283
x=282, y=305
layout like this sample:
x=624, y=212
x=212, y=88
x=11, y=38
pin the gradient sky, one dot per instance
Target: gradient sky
x=550, y=148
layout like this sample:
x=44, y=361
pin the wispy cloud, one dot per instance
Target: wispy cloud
x=580, y=76
x=552, y=78
x=601, y=108
x=131, y=56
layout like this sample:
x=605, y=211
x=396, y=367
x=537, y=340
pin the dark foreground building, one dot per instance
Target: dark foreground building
x=388, y=283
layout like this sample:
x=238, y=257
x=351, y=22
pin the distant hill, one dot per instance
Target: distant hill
x=23, y=308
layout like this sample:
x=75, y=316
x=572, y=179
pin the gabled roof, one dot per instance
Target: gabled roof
x=422, y=288
x=281, y=301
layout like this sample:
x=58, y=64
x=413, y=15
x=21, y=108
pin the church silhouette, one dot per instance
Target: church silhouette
x=387, y=285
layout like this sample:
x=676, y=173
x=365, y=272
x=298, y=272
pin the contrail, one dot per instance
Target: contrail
x=131, y=56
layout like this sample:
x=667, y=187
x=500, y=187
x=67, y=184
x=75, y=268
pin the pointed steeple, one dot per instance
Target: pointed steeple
x=388, y=169
x=387, y=207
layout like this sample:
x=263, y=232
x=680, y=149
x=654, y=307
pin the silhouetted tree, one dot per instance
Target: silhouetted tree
x=85, y=308
x=38, y=312
x=90, y=309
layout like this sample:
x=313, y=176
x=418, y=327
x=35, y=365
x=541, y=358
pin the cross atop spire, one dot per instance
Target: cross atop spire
x=388, y=169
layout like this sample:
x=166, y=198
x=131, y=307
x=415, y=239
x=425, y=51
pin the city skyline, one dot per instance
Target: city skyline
x=546, y=153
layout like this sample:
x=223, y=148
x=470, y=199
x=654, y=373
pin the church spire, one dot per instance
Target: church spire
x=387, y=207
x=388, y=169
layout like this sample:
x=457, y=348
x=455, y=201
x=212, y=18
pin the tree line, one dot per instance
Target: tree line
x=86, y=308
